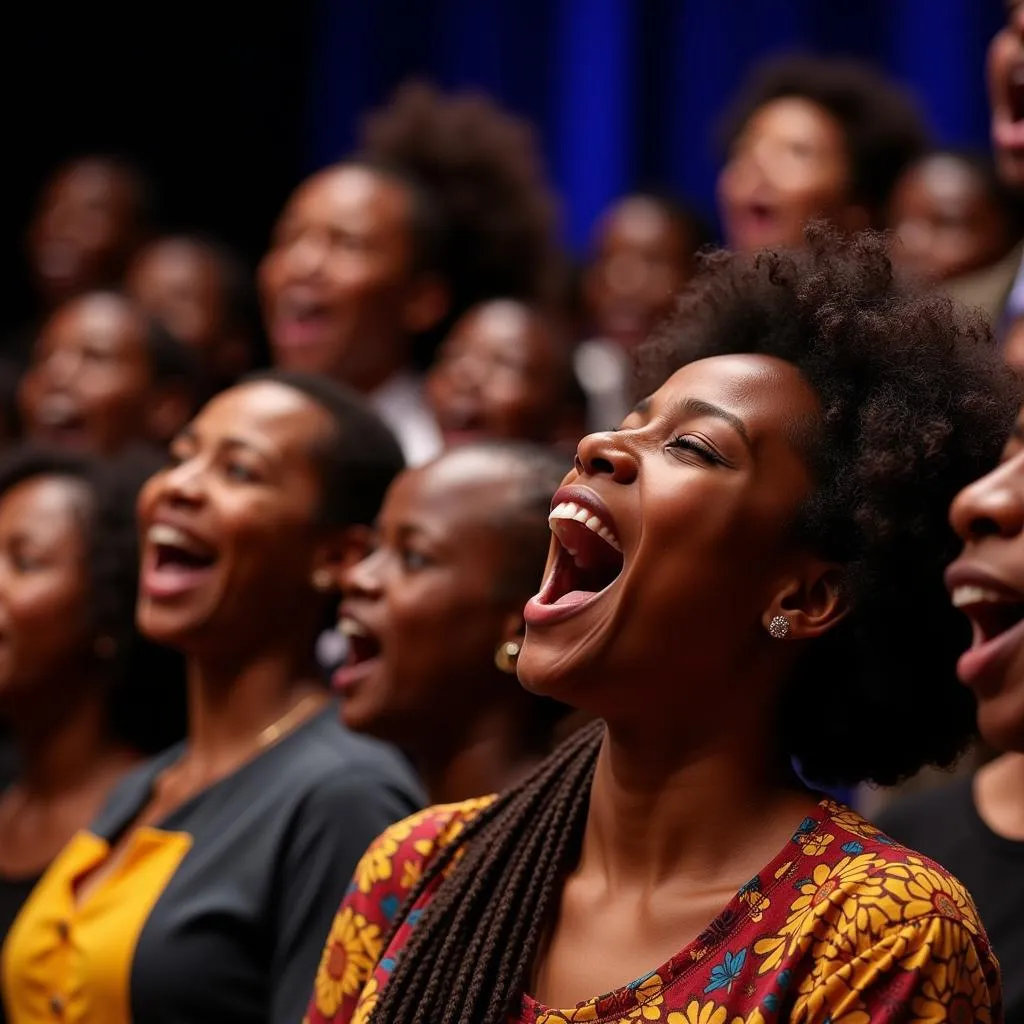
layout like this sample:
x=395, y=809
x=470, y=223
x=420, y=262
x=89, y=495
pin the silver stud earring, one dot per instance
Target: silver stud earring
x=323, y=580
x=778, y=628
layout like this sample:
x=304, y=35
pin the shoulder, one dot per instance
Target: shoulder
x=328, y=762
x=400, y=854
x=848, y=878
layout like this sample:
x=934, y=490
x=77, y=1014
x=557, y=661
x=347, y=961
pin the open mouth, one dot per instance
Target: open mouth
x=364, y=651
x=997, y=623
x=300, y=319
x=588, y=560
x=59, y=416
x=1015, y=91
x=991, y=613
x=176, y=561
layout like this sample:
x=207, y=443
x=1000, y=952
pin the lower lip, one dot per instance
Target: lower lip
x=348, y=677
x=1008, y=135
x=985, y=665
x=300, y=334
x=160, y=583
x=537, y=614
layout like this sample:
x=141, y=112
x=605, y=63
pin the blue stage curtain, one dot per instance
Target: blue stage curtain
x=627, y=93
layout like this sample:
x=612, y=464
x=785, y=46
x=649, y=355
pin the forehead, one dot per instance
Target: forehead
x=638, y=221
x=464, y=488
x=357, y=195
x=769, y=394
x=264, y=412
x=175, y=257
x=106, y=318
x=44, y=505
x=795, y=117
x=947, y=179
x=89, y=180
x=501, y=324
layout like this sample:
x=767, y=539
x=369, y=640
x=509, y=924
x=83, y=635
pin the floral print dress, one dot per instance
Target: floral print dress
x=843, y=925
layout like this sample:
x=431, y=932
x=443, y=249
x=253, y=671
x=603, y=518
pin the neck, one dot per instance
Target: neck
x=999, y=795
x=485, y=757
x=370, y=378
x=65, y=745
x=664, y=807
x=230, y=703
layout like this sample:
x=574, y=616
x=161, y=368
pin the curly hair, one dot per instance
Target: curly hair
x=146, y=681
x=914, y=405
x=482, y=168
x=883, y=129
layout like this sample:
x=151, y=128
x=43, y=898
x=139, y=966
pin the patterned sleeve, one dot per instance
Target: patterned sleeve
x=388, y=871
x=932, y=969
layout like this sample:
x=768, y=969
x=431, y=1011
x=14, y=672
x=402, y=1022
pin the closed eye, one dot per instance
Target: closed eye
x=698, y=448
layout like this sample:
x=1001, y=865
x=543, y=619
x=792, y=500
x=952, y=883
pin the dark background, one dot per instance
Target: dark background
x=230, y=104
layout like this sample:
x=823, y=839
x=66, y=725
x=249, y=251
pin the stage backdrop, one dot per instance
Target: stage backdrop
x=627, y=93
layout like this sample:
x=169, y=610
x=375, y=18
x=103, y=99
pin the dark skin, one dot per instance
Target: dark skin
x=946, y=222
x=989, y=516
x=642, y=257
x=687, y=803
x=86, y=226
x=180, y=282
x=501, y=375
x=1006, y=95
x=339, y=291
x=245, y=488
x=53, y=690
x=431, y=596
x=90, y=385
x=788, y=166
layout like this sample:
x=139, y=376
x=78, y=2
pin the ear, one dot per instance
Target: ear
x=341, y=549
x=427, y=304
x=812, y=604
x=171, y=408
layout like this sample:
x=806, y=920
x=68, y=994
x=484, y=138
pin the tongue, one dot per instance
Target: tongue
x=575, y=597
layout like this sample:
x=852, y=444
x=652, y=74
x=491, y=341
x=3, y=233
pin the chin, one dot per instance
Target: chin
x=547, y=672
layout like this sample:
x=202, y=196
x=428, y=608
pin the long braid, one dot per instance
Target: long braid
x=469, y=956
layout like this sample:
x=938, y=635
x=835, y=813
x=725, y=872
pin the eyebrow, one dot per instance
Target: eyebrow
x=690, y=407
x=189, y=434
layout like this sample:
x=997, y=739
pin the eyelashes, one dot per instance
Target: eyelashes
x=699, y=448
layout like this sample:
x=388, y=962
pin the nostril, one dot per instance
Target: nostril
x=984, y=526
x=600, y=465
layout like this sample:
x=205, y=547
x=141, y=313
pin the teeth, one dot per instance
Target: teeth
x=570, y=510
x=171, y=536
x=349, y=627
x=967, y=595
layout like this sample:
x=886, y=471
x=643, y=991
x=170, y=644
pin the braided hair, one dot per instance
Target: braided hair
x=470, y=956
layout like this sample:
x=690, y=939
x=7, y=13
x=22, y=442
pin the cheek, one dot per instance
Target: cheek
x=49, y=616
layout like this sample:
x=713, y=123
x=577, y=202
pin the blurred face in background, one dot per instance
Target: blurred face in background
x=499, y=375
x=85, y=228
x=337, y=286
x=1006, y=95
x=788, y=166
x=946, y=221
x=89, y=385
x=45, y=633
x=425, y=611
x=181, y=283
x=229, y=530
x=642, y=257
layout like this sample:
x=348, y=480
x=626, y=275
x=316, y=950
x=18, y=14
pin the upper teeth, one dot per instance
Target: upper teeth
x=968, y=594
x=349, y=627
x=570, y=510
x=163, y=533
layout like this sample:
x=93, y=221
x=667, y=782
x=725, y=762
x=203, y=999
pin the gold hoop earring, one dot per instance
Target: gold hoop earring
x=323, y=580
x=505, y=657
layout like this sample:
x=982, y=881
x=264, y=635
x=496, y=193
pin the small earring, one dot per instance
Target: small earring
x=778, y=628
x=105, y=648
x=505, y=657
x=323, y=580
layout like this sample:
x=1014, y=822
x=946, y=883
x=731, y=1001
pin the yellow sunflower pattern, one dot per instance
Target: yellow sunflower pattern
x=841, y=927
